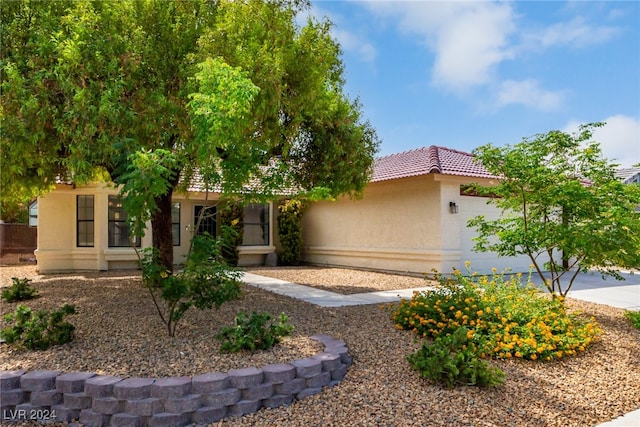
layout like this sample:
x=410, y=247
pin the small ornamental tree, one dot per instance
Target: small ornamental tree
x=206, y=281
x=562, y=206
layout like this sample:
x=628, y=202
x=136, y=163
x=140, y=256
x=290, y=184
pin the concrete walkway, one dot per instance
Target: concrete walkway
x=587, y=287
x=325, y=298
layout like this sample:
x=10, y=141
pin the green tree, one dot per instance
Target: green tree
x=160, y=93
x=14, y=205
x=232, y=216
x=290, y=231
x=24, y=174
x=561, y=206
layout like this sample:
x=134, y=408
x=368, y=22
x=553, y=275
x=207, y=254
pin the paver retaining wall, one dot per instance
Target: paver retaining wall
x=100, y=400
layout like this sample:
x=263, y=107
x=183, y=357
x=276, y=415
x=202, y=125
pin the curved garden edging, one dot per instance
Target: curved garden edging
x=103, y=400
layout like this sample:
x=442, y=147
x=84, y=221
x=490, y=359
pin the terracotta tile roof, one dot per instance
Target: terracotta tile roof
x=426, y=160
x=255, y=184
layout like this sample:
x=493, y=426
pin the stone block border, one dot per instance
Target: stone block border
x=101, y=400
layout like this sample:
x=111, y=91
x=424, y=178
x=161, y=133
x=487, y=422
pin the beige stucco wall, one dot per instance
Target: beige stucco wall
x=402, y=225
x=57, y=250
x=396, y=226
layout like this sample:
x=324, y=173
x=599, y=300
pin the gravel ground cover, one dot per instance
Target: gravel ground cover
x=119, y=333
x=118, y=330
x=342, y=280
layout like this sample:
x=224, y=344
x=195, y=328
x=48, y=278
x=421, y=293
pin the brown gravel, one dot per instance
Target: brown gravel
x=341, y=280
x=119, y=333
x=118, y=330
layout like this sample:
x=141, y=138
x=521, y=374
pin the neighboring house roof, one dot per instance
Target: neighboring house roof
x=426, y=160
x=628, y=175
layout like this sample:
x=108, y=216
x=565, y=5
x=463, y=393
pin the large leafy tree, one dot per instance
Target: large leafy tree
x=157, y=94
x=562, y=206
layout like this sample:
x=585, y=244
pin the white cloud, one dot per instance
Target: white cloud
x=469, y=39
x=619, y=139
x=348, y=40
x=575, y=33
x=468, y=50
x=351, y=42
x=528, y=93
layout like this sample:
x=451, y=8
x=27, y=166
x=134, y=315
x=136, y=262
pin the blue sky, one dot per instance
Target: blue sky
x=463, y=74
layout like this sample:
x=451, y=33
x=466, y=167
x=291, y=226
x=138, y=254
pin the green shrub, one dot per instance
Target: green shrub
x=254, y=332
x=507, y=318
x=232, y=219
x=20, y=290
x=634, y=317
x=39, y=330
x=453, y=360
x=290, y=232
x=206, y=281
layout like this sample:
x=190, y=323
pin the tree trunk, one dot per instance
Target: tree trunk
x=161, y=227
x=565, y=225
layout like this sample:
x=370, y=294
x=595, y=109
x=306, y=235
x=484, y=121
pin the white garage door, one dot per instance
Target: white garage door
x=483, y=262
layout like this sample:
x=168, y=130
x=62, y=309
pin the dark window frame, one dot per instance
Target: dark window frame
x=264, y=223
x=85, y=216
x=115, y=240
x=209, y=221
x=175, y=222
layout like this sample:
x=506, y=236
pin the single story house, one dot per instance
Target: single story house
x=412, y=218
x=84, y=228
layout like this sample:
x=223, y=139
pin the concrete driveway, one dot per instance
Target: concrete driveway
x=616, y=293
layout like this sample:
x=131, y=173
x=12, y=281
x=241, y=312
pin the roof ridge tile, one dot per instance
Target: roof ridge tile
x=426, y=160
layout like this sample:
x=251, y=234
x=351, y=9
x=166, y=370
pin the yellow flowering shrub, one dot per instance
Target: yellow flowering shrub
x=505, y=317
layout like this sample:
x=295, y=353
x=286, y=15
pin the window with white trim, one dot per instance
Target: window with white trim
x=33, y=213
